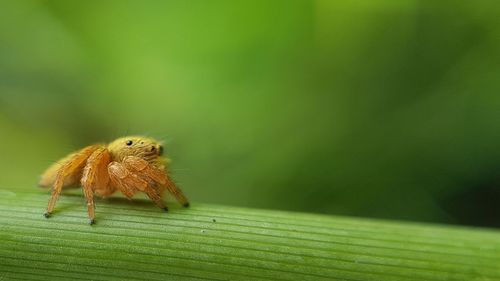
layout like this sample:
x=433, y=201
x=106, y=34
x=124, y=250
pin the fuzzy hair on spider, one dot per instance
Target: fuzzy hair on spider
x=129, y=165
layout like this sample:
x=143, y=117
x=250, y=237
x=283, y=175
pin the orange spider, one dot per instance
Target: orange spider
x=128, y=164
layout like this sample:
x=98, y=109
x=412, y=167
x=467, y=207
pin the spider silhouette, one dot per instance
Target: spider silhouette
x=128, y=164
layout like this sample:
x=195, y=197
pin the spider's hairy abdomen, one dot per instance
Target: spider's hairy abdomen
x=49, y=175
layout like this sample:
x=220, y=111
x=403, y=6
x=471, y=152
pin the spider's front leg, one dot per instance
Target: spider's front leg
x=70, y=168
x=129, y=182
x=152, y=173
x=95, y=176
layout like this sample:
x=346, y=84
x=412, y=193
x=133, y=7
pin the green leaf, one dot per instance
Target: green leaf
x=134, y=240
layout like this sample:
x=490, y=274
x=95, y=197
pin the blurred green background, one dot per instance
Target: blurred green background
x=382, y=108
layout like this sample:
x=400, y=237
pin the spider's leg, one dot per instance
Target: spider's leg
x=128, y=183
x=156, y=197
x=95, y=176
x=177, y=192
x=143, y=167
x=73, y=166
x=123, y=180
x=49, y=176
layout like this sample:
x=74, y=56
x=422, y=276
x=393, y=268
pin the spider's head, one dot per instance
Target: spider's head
x=145, y=148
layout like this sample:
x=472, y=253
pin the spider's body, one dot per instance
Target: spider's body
x=128, y=164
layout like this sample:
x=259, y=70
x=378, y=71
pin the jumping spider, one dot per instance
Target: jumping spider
x=128, y=164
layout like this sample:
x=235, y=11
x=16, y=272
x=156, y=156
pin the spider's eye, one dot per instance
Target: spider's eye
x=129, y=142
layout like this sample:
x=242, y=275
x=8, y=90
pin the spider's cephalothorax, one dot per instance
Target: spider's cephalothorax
x=128, y=164
x=147, y=149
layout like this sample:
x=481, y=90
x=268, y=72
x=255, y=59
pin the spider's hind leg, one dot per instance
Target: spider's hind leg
x=95, y=176
x=70, y=168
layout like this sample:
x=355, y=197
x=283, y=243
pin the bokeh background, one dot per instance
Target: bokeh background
x=387, y=109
